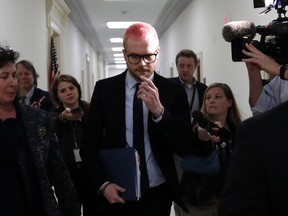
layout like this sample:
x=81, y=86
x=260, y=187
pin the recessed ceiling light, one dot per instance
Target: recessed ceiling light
x=118, y=55
x=119, y=59
x=121, y=66
x=119, y=25
x=116, y=40
x=120, y=62
x=117, y=49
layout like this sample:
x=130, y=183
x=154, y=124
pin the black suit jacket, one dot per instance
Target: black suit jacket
x=201, y=87
x=257, y=181
x=49, y=164
x=106, y=128
x=46, y=104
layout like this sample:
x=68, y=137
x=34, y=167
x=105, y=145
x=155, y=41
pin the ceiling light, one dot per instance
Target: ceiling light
x=119, y=59
x=118, y=55
x=119, y=25
x=117, y=49
x=116, y=40
x=121, y=66
x=120, y=62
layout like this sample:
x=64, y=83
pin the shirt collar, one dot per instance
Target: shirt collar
x=188, y=85
x=30, y=93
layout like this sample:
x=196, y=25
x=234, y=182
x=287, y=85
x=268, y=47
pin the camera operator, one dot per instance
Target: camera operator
x=263, y=98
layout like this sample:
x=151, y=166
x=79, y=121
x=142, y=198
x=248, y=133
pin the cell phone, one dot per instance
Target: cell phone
x=76, y=110
x=37, y=104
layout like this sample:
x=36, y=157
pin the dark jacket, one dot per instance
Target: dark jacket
x=106, y=128
x=66, y=133
x=201, y=88
x=46, y=104
x=256, y=182
x=50, y=167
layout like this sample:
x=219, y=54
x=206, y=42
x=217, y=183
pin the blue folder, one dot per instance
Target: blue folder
x=122, y=168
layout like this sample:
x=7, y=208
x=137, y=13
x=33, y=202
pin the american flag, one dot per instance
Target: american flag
x=54, y=67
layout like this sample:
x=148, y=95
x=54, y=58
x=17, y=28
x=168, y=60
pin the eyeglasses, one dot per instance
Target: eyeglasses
x=134, y=58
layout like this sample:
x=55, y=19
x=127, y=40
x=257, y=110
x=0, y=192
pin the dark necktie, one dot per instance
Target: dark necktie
x=138, y=139
x=22, y=100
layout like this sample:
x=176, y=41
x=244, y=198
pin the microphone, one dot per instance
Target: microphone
x=238, y=29
x=208, y=125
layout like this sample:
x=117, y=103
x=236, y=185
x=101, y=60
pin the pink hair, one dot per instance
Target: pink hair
x=140, y=31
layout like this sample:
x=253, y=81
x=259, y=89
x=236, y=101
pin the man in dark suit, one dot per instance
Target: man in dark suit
x=256, y=182
x=166, y=128
x=186, y=64
x=27, y=83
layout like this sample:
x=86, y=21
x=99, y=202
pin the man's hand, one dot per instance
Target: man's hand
x=148, y=92
x=111, y=193
x=263, y=61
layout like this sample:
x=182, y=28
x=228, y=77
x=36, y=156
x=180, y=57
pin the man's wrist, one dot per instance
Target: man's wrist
x=160, y=115
x=104, y=186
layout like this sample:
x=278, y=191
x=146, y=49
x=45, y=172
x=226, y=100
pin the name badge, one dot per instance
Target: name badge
x=77, y=155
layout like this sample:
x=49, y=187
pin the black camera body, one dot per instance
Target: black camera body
x=274, y=37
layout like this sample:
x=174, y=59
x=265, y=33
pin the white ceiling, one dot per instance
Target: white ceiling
x=90, y=17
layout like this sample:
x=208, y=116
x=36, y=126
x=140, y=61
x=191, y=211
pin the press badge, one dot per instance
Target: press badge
x=77, y=155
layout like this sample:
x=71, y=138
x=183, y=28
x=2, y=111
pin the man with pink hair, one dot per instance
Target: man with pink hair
x=166, y=129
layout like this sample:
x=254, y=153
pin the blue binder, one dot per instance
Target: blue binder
x=122, y=169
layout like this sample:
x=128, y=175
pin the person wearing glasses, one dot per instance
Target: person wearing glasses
x=34, y=179
x=166, y=129
x=28, y=91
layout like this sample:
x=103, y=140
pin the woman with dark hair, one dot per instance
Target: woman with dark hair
x=30, y=94
x=69, y=124
x=34, y=179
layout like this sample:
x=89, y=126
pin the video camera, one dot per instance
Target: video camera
x=274, y=36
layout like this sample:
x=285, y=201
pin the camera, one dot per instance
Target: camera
x=273, y=37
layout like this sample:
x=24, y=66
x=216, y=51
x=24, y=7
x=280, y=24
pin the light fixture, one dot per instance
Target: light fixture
x=119, y=59
x=116, y=40
x=118, y=54
x=117, y=49
x=120, y=25
x=120, y=62
x=121, y=66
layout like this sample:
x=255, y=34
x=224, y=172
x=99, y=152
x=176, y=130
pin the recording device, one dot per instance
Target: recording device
x=274, y=36
x=76, y=110
x=37, y=103
x=208, y=125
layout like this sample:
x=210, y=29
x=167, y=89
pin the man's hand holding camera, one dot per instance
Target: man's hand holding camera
x=259, y=61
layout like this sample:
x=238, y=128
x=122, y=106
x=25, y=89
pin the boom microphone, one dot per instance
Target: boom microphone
x=208, y=125
x=238, y=29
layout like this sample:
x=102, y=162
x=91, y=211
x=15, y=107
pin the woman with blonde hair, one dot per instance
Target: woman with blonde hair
x=219, y=108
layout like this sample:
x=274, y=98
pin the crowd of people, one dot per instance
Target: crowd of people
x=51, y=140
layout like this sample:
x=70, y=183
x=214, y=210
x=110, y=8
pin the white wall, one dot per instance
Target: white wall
x=74, y=59
x=199, y=28
x=23, y=27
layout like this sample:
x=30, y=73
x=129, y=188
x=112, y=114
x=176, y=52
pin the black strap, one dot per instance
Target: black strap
x=193, y=96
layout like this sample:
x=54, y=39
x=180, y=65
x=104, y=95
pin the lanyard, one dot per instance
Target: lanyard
x=193, y=96
x=74, y=134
